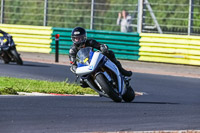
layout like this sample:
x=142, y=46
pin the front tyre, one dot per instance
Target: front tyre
x=103, y=82
x=16, y=57
x=5, y=58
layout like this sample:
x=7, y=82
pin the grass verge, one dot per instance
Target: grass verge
x=10, y=85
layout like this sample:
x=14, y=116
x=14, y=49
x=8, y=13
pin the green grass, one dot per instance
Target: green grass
x=10, y=85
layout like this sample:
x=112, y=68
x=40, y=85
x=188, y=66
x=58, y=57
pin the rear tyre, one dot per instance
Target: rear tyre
x=17, y=57
x=103, y=82
x=129, y=95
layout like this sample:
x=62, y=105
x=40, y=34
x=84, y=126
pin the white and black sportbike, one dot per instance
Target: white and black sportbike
x=102, y=75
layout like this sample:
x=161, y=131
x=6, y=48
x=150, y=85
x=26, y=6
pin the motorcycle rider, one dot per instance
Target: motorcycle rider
x=79, y=38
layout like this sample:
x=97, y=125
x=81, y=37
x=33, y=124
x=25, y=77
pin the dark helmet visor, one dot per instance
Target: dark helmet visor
x=79, y=39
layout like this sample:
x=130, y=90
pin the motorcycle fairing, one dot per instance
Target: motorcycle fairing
x=4, y=44
x=96, y=58
x=95, y=61
x=114, y=68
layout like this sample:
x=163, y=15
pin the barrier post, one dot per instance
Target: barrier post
x=57, y=47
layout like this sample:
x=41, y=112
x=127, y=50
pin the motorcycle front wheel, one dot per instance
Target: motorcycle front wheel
x=5, y=58
x=17, y=57
x=103, y=82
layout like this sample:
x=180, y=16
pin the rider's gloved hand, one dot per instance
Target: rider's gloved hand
x=104, y=48
x=73, y=68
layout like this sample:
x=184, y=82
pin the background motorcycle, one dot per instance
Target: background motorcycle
x=8, y=52
x=102, y=75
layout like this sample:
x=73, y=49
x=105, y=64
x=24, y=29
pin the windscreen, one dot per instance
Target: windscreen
x=84, y=56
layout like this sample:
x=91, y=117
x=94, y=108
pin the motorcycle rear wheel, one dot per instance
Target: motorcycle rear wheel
x=129, y=95
x=103, y=82
x=17, y=57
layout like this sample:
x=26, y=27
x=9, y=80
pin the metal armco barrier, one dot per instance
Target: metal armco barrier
x=30, y=38
x=166, y=48
x=178, y=49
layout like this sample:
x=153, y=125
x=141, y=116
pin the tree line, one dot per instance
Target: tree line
x=172, y=15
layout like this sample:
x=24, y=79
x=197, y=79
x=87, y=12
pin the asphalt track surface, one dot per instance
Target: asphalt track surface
x=169, y=103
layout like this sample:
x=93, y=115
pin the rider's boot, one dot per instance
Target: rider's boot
x=122, y=70
x=112, y=57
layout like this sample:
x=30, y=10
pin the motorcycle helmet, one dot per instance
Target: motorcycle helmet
x=79, y=36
